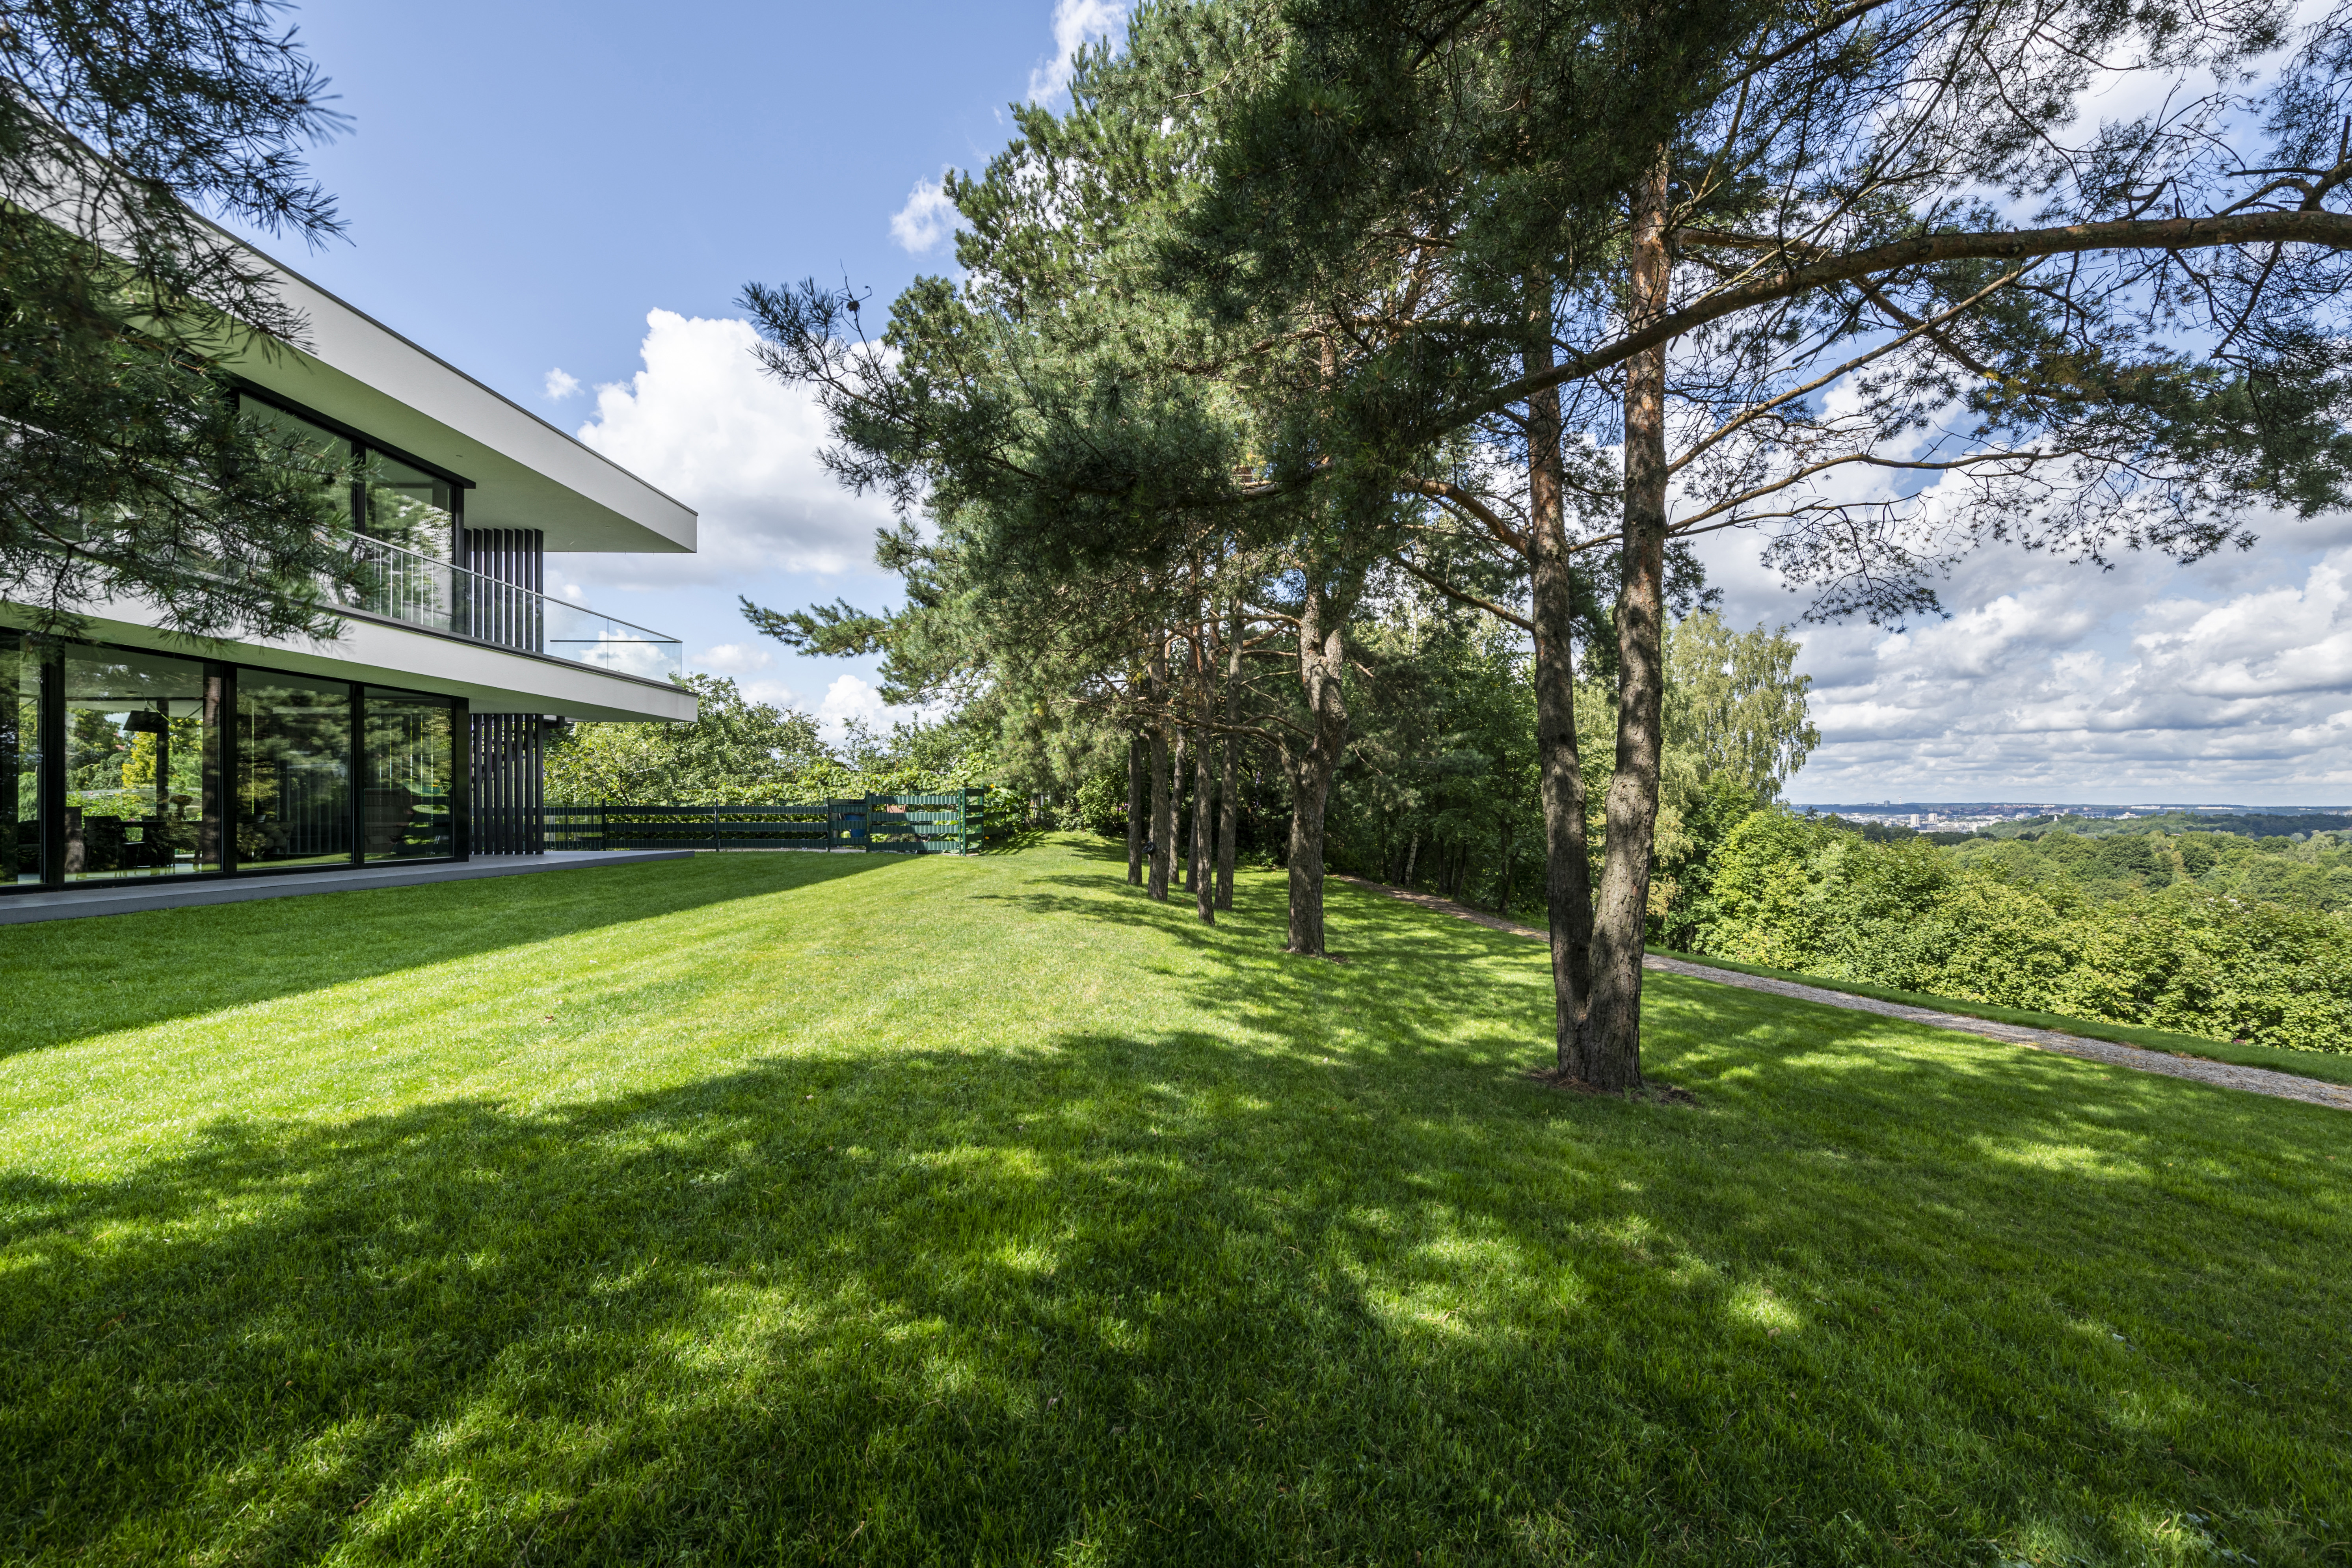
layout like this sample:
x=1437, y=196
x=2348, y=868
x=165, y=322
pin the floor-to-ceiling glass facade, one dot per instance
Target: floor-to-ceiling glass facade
x=20, y=761
x=119, y=764
x=408, y=804
x=293, y=770
x=142, y=795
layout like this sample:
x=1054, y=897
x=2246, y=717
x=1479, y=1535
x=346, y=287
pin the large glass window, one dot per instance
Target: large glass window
x=121, y=763
x=20, y=761
x=305, y=448
x=142, y=765
x=408, y=804
x=411, y=508
x=294, y=767
x=404, y=505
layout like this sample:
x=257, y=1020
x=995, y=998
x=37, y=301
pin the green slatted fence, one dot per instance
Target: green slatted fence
x=951, y=823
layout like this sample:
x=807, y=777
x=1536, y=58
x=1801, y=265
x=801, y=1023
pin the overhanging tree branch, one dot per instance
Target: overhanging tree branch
x=2331, y=231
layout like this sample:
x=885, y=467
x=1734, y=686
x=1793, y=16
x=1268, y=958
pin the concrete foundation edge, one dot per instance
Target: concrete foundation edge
x=30, y=908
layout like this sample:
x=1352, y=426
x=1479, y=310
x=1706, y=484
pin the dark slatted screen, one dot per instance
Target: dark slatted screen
x=504, y=560
x=510, y=750
x=510, y=574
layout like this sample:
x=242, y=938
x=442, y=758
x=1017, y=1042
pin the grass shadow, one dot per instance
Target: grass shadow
x=1406, y=948
x=67, y=979
x=1136, y=1295
x=1189, y=1252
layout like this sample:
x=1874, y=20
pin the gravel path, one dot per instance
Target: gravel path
x=2254, y=1080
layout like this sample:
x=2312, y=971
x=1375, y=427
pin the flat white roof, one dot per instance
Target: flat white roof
x=526, y=472
x=385, y=653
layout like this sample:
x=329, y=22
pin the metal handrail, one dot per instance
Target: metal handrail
x=404, y=585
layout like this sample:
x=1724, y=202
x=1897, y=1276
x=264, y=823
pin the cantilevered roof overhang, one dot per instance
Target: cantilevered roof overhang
x=387, y=653
x=526, y=473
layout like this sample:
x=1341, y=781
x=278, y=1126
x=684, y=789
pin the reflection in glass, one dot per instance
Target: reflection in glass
x=294, y=764
x=576, y=632
x=142, y=765
x=305, y=448
x=411, y=508
x=20, y=761
x=407, y=806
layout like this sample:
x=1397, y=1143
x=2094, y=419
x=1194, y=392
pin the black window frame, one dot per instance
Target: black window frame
x=363, y=445
x=51, y=778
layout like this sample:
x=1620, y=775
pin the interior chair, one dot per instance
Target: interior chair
x=153, y=850
x=103, y=844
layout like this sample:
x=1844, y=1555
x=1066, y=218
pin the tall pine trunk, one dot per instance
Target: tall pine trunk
x=1134, y=811
x=1567, y=867
x=1228, y=804
x=1610, y=1049
x=1204, y=878
x=1163, y=812
x=1311, y=786
x=1177, y=802
x=1322, y=656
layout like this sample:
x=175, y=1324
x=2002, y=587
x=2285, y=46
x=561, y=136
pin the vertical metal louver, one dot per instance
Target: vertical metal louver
x=509, y=574
x=510, y=751
x=508, y=567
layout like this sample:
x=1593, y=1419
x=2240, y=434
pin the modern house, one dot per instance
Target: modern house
x=131, y=755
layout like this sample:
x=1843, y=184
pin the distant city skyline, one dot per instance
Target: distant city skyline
x=2046, y=805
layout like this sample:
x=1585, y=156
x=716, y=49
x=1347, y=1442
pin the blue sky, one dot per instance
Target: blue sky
x=525, y=183
x=585, y=188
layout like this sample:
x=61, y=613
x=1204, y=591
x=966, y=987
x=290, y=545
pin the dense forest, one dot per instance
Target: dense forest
x=2244, y=825
x=2302, y=871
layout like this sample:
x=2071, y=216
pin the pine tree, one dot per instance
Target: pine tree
x=1065, y=419
x=126, y=472
x=1683, y=225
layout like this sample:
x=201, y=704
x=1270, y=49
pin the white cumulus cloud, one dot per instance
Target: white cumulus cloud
x=1077, y=23
x=774, y=693
x=561, y=383
x=735, y=659
x=703, y=422
x=850, y=697
x=928, y=219
x=2229, y=680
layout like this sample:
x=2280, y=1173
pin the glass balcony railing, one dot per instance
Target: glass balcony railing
x=405, y=587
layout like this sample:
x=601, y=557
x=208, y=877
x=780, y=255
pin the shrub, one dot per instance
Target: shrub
x=1799, y=894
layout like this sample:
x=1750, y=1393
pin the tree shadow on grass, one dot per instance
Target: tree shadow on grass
x=1325, y=1281
x=64, y=980
x=1410, y=976
x=1391, y=966
x=1157, y=1299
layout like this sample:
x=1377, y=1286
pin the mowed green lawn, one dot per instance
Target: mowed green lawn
x=780, y=1208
